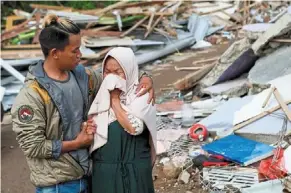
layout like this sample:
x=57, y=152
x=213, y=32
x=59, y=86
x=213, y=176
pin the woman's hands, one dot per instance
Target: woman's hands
x=115, y=94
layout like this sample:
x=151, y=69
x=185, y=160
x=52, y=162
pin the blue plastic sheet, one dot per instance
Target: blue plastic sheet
x=239, y=149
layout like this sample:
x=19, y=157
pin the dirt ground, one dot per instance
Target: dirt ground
x=14, y=170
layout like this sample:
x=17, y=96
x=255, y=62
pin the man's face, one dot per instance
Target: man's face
x=70, y=57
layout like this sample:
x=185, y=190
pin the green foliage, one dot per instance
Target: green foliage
x=108, y=2
x=83, y=5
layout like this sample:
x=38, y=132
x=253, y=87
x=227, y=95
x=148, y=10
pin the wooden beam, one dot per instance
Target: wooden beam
x=134, y=26
x=154, y=25
x=111, y=7
x=281, y=40
x=192, y=79
x=216, y=10
x=282, y=104
x=22, y=46
x=148, y=13
x=38, y=30
x=187, y=68
x=168, y=28
x=51, y=7
x=231, y=16
x=10, y=21
x=98, y=33
x=20, y=54
x=141, y=4
x=206, y=60
x=251, y=5
x=259, y=116
x=162, y=32
x=151, y=20
x=268, y=97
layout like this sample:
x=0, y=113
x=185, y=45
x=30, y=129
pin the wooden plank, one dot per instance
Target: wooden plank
x=282, y=104
x=20, y=54
x=154, y=25
x=51, y=7
x=148, y=13
x=206, y=60
x=168, y=28
x=162, y=32
x=22, y=25
x=111, y=7
x=98, y=33
x=216, y=10
x=251, y=5
x=151, y=20
x=253, y=119
x=205, y=6
x=22, y=46
x=192, y=79
x=37, y=33
x=245, y=12
x=281, y=40
x=187, y=68
x=268, y=97
x=134, y=26
x=141, y=4
x=231, y=16
x=10, y=21
x=6, y=36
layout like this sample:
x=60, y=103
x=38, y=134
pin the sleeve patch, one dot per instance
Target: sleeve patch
x=25, y=114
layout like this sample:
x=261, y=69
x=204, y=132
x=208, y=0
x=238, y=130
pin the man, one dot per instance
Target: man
x=50, y=112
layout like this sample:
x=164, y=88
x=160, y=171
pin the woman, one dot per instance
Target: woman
x=123, y=151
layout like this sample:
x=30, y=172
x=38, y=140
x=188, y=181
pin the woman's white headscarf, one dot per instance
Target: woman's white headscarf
x=136, y=106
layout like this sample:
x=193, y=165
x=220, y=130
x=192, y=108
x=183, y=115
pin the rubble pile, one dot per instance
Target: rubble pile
x=223, y=117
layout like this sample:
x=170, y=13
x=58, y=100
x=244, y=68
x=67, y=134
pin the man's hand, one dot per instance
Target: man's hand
x=84, y=139
x=146, y=85
x=91, y=126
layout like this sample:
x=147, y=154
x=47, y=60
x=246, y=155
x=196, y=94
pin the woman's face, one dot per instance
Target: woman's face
x=113, y=67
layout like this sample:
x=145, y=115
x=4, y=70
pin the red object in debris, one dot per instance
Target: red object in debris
x=273, y=170
x=198, y=132
x=213, y=160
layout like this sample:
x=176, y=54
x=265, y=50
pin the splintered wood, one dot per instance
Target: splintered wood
x=192, y=79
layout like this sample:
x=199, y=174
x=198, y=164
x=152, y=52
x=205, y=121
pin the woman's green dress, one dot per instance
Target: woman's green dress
x=123, y=164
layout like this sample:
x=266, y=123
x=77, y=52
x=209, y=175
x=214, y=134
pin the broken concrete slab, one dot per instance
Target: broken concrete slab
x=271, y=66
x=282, y=26
x=254, y=108
x=257, y=27
x=232, y=88
x=165, y=138
x=223, y=117
x=225, y=61
x=212, y=103
x=184, y=177
x=170, y=170
x=264, y=130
